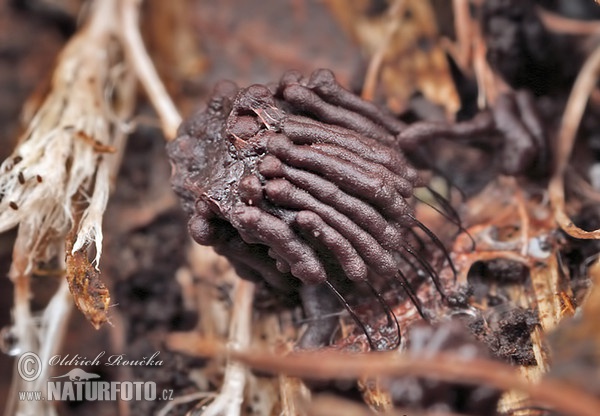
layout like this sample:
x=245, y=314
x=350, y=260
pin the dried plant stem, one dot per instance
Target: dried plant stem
x=214, y=271
x=294, y=395
x=546, y=284
x=65, y=162
x=21, y=277
x=490, y=85
x=54, y=324
x=43, y=337
x=23, y=328
x=327, y=365
x=561, y=24
x=560, y=396
x=470, y=54
x=463, y=28
x=63, y=168
x=372, y=76
x=146, y=72
x=583, y=87
x=229, y=400
x=582, y=187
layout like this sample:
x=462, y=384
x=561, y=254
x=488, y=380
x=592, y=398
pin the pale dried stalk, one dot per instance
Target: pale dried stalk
x=71, y=146
x=214, y=270
x=372, y=76
x=463, y=29
x=23, y=329
x=470, y=54
x=145, y=70
x=583, y=87
x=546, y=284
x=229, y=400
x=295, y=395
x=50, y=329
x=561, y=24
x=63, y=167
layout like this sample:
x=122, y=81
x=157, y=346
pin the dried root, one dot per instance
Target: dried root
x=56, y=183
x=145, y=71
x=62, y=167
x=229, y=401
x=582, y=89
x=451, y=367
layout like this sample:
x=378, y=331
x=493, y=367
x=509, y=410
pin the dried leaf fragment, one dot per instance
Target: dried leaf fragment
x=89, y=293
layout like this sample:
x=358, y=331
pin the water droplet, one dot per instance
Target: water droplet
x=9, y=343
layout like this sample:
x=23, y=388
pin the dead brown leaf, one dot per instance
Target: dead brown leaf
x=89, y=292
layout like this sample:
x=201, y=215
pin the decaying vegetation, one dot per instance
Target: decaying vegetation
x=494, y=102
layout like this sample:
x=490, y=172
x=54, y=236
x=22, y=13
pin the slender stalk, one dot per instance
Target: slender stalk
x=327, y=365
x=374, y=68
x=561, y=24
x=571, y=119
x=229, y=400
x=138, y=58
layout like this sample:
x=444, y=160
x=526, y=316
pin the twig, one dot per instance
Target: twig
x=489, y=84
x=23, y=327
x=470, y=54
x=43, y=338
x=144, y=68
x=463, y=28
x=561, y=24
x=327, y=365
x=584, y=85
x=294, y=395
x=581, y=186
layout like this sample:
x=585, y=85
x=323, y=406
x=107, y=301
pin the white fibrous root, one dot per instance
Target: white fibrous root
x=56, y=184
x=55, y=188
x=57, y=181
